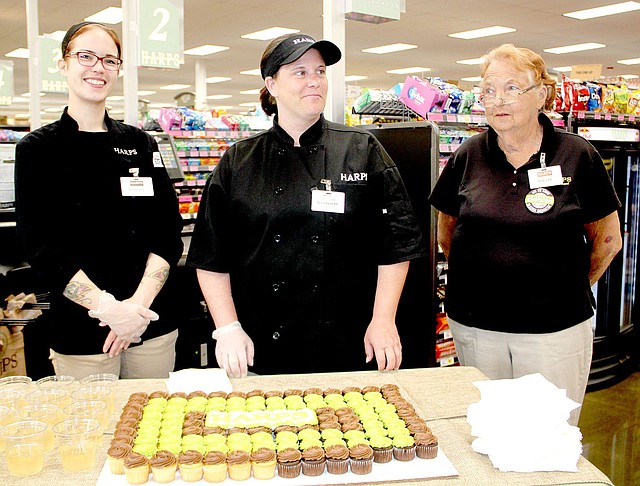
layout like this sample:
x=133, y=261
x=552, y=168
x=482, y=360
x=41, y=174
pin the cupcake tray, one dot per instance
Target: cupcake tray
x=439, y=467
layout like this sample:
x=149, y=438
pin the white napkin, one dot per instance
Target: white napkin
x=194, y=379
x=521, y=424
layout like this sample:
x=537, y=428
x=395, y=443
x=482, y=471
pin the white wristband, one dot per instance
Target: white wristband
x=225, y=329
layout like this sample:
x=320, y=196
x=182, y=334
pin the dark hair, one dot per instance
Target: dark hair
x=267, y=101
x=79, y=29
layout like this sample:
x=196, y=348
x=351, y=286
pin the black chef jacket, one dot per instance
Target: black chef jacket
x=511, y=269
x=71, y=216
x=303, y=281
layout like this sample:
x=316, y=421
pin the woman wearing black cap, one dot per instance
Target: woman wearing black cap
x=305, y=233
x=99, y=222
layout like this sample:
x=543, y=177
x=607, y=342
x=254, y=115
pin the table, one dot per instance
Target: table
x=440, y=395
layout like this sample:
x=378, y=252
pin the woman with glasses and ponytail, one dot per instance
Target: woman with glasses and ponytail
x=98, y=220
x=528, y=222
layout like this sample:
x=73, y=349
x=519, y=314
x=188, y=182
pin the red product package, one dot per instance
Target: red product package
x=581, y=97
x=559, y=103
x=567, y=90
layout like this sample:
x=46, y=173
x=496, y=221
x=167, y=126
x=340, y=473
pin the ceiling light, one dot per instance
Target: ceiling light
x=174, y=87
x=20, y=52
x=252, y=103
x=471, y=62
x=28, y=94
x=472, y=79
x=22, y=115
x=270, y=33
x=216, y=79
x=57, y=35
x=53, y=110
x=218, y=97
x=629, y=62
x=115, y=98
x=563, y=69
x=629, y=76
x=116, y=112
x=389, y=48
x=146, y=92
x=250, y=91
x=205, y=50
x=409, y=70
x=574, y=48
x=222, y=107
x=110, y=15
x=252, y=72
x=485, y=32
x=19, y=99
x=160, y=105
x=592, y=13
x=354, y=77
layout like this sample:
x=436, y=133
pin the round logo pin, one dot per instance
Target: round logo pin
x=539, y=200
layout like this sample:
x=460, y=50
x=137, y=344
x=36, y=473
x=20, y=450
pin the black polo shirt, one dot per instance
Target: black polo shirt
x=512, y=269
x=304, y=281
x=71, y=215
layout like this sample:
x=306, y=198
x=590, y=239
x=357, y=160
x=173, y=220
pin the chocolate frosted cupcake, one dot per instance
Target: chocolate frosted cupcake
x=289, y=463
x=217, y=394
x=116, y=454
x=163, y=466
x=215, y=467
x=136, y=468
x=239, y=465
x=337, y=459
x=426, y=445
x=351, y=389
x=273, y=393
x=370, y=389
x=332, y=391
x=313, y=391
x=264, y=463
x=255, y=393
x=159, y=394
x=190, y=464
x=237, y=393
x=361, y=458
x=313, y=461
x=196, y=393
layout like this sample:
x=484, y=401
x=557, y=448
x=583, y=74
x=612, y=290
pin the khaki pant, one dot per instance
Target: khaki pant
x=154, y=358
x=563, y=357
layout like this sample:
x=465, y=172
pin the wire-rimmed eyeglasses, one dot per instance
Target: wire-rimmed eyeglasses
x=88, y=59
x=511, y=94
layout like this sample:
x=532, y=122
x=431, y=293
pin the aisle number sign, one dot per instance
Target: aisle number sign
x=51, y=80
x=6, y=82
x=161, y=33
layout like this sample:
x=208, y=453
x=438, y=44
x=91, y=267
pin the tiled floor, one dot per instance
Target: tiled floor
x=610, y=425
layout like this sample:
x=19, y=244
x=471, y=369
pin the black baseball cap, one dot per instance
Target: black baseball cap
x=293, y=47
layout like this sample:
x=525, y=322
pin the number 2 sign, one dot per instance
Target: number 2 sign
x=161, y=33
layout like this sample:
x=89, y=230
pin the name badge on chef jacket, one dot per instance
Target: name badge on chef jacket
x=327, y=201
x=136, y=186
x=545, y=176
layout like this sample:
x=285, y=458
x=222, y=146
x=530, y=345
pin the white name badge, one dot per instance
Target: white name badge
x=136, y=186
x=327, y=201
x=545, y=177
x=157, y=159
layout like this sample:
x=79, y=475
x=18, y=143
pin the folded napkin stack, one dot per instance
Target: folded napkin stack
x=521, y=424
x=195, y=379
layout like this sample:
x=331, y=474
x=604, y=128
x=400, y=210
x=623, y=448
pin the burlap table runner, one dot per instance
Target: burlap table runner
x=440, y=395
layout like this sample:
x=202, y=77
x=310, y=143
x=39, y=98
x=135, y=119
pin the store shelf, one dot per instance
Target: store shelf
x=617, y=117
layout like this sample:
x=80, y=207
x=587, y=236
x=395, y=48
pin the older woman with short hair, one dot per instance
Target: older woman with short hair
x=528, y=221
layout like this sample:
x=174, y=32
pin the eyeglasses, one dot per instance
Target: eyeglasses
x=511, y=94
x=88, y=59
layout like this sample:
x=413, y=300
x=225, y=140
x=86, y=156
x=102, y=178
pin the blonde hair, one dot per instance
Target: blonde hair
x=527, y=61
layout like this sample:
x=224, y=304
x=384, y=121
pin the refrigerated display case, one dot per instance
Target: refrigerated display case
x=616, y=350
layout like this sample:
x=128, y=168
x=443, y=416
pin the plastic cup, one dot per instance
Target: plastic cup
x=24, y=447
x=99, y=379
x=97, y=392
x=93, y=409
x=43, y=412
x=11, y=398
x=6, y=415
x=53, y=396
x=56, y=381
x=78, y=440
x=20, y=383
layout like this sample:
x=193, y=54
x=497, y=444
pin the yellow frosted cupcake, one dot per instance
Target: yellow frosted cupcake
x=215, y=467
x=239, y=465
x=264, y=463
x=190, y=464
x=163, y=466
x=136, y=468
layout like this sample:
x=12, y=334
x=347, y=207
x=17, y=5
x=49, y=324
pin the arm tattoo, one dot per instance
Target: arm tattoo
x=77, y=292
x=159, y=275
